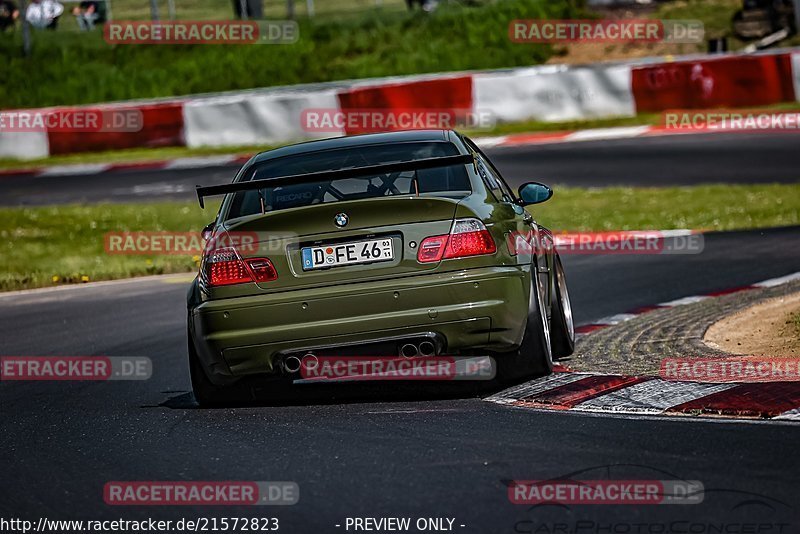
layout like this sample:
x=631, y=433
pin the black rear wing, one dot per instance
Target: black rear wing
x=403, y=166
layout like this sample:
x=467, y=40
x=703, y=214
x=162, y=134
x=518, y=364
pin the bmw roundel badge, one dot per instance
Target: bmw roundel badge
x=341, y=220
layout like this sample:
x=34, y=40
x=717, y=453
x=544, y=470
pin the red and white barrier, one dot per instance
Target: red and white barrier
x=546, y=93
x=24, y=145
x=252, y=119
x=731, y=82
x=555, y=93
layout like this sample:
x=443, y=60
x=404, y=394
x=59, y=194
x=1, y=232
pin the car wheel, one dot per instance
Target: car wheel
x=206, y=393
x=534, y=356
x=562, y=327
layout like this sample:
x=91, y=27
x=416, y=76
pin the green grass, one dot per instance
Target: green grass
x=130, y=155
x=716, y=16
x=47, y=246
x=706, y=207
x=74, y=68
x=221, y=10
x=67, y=242
x=347, y=39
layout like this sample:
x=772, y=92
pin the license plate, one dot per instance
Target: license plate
x=347, y=254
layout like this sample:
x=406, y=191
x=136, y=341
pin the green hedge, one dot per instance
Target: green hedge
x=75, y=68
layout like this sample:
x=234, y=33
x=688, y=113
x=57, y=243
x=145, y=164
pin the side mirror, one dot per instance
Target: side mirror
x=208, y=230
x=534, y=193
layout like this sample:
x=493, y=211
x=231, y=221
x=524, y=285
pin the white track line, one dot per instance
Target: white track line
x=684, y=300
x=616, y=319
x=772, y=282
x=595, y=134
x=199, y=162
x=68, y=170
x=791, y=415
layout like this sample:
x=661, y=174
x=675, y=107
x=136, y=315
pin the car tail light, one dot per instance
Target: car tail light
x=468, y=237
x=224, y=267
x=432, y=248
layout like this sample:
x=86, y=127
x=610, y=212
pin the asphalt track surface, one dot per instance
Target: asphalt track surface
x=414, y=452
x=644, y=161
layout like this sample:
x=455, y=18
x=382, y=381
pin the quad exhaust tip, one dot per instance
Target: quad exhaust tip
x=310, y=361
x=426, y=348
x=409, y=350
x=292, y=364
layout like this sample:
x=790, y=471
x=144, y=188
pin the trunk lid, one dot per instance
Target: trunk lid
x=401, y=221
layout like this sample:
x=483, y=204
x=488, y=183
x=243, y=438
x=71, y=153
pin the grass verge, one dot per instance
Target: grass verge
x=375, y=43
x=702, y=207
x=46, y=246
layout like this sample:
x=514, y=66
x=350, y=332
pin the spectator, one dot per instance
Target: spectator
x=88, y=13
x=425, y=5
x=44, y=13
x=8, y=14
x=253, y=9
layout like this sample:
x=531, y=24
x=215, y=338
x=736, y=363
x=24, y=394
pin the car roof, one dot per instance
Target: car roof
x=355, y=141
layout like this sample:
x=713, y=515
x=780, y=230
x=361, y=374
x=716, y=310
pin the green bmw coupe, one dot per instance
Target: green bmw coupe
x=394, y=244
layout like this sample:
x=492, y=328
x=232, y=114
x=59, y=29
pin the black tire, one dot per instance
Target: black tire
x=206, y=393
x=534, y=356
x=562, y=326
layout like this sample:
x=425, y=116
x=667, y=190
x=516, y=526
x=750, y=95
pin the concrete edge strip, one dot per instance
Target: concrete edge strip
x=645, y=396
x=605, y=322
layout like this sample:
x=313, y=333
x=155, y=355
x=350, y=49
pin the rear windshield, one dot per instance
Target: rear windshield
x=448, y=181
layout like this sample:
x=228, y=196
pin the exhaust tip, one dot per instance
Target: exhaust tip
x=409, y=350
x=427, y=348
x=310, y=361
x=292, y=364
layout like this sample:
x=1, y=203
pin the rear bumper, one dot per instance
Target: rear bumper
x=482, y=308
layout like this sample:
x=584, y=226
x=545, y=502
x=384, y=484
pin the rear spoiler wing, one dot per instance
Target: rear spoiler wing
x=429, y=163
